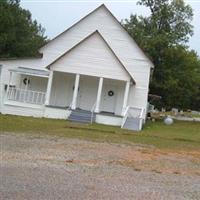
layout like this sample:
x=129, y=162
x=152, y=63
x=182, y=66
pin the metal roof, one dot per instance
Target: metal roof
x=31, y=71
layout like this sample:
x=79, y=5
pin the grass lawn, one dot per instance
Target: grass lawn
x=180, y=135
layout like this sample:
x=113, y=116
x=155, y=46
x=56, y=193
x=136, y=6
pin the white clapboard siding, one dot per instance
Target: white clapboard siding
x=36, y=83
x=132, y=57
x=102, y=21
x=62, y=89
x=23, y=110
x=37, y=63
x=87, y=94
x=108, y=120
x=117, y=38
x=138, y=97
x=56, y=113
x=92, y=57
x=121, y=43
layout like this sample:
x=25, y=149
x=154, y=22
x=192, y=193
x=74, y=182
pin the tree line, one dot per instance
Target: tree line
x=20, y=36
x=163, y=35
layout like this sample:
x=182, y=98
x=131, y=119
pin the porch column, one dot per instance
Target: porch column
x=49, y=85
x=8, y=86
x=1, y=87
x=75, y=94
x=99, y=94
x=126, y=93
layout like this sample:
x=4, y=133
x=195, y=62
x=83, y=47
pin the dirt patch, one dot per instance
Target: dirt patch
x=99, y=154
x=162, y=161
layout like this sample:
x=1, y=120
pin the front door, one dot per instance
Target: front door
x=109, y=95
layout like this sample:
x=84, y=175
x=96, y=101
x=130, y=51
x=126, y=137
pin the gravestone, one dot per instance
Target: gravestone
x=175, y=111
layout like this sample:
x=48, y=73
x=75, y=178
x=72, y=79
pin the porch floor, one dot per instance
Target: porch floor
x=59, y=107
x=109, y=114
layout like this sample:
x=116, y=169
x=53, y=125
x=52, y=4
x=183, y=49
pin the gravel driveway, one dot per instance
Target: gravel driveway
x=40, y=168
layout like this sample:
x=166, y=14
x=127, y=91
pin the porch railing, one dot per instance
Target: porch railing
x=92, y=112
x=134, y=112
x=26, y=96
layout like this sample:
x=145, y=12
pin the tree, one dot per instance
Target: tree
x=20, y=36
x=182, y=86
x=163, y=36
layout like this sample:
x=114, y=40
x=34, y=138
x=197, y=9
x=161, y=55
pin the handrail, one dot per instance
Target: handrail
x=92, y=112
x=126, y=114
x=70, y=105
x=141, y=113
x=141, y=118
x=126, y=110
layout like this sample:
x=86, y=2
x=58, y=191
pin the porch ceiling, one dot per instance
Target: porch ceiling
x=31, y=72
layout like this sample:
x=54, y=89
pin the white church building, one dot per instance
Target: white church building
x=92, y=72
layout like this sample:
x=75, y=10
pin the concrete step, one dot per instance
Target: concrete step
x=81, y=116
x=79, y=120
x=132, y=124
x=81, y=111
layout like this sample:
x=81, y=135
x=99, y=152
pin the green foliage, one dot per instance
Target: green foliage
x=20, y=36
x=163, y=36
x=182, y=85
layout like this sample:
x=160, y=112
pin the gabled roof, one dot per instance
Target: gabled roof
x=48, y=66
x=102, y=5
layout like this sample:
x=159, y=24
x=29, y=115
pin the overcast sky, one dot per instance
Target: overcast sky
x=57, y=15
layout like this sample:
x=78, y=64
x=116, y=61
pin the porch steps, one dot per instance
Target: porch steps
x=81, y=116
x=132, y=124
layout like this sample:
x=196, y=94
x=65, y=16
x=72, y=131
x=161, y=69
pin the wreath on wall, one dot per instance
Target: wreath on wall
x=74, y=87
x=26, y=81
x=110, y=93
